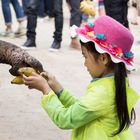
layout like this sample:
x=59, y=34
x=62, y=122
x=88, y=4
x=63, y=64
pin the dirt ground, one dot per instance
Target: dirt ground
x=21, y=115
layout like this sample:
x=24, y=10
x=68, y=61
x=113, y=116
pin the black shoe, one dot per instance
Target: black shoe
x=55, y=46
x=30, y=43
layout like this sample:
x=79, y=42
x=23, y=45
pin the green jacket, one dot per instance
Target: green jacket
x=93, y=116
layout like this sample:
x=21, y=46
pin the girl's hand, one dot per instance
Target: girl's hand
x=36, y=81
x=53, y=83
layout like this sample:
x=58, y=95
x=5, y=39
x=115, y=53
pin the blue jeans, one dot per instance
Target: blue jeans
x=7, y=11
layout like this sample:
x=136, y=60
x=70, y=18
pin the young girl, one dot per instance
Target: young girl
x=106, y=111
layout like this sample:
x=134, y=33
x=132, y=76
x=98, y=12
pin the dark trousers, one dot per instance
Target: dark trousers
x=49, y=7
x=58, y=17
x=76, y=15
x=75, y=18
x=32, y=12
x=118, y=10
x=42, y=9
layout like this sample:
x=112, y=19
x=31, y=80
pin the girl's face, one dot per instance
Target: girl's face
x=95, y=66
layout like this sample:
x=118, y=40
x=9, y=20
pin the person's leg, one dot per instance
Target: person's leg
x=119, y=13
x=138, y=7
x=7, y=17
x=41, y=10
x=134, y=17
x=125, y=14
x=76, y=15
x=20, y=18
x=76, y=18
x=134, y=13
x=18, y=10
x=49, y=8
x=24, y=5
x=31, y=12
x=58, y=15
x=101, y=8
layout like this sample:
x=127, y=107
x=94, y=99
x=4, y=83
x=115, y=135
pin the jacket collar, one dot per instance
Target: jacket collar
x=108, y=75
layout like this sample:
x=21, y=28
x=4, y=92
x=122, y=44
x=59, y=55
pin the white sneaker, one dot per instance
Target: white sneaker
x=54, y=50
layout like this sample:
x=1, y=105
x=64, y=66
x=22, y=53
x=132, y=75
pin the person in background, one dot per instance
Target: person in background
x=49, y=8
x=8, y=18
x=25, y=5
x=58, y=20
x=101, y=8
x=42, y=10
x=75, y=18
x=107, y=109
x=138, y=6
x=32, y=13
x=134, y=14
x=117, y=9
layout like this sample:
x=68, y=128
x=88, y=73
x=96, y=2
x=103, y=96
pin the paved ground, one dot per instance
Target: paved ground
x=21, y=116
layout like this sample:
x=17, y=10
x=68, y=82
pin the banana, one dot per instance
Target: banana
x=27, y=71
x=17, y=80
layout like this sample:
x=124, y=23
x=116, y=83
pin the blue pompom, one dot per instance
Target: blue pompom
x=101, y=36
x=91, y=24
x=128, y=54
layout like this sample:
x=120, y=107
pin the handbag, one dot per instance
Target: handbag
x=88, y=7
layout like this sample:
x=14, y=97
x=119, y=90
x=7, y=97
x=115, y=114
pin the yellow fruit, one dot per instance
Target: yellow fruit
x=17, y=80
x=27, y=71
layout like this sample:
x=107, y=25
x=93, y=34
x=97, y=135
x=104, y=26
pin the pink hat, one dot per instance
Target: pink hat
x=109, y=37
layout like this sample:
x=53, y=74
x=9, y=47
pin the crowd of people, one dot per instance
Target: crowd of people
x=30, y=10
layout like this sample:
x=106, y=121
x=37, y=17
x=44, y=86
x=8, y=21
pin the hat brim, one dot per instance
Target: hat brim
x=129, y=66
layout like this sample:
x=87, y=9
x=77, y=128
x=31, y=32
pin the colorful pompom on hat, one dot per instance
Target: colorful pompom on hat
x=109, y=37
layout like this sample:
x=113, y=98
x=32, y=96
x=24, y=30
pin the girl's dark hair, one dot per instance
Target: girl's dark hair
x=120, y=75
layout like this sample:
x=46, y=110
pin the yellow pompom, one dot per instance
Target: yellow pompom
x=90, y=34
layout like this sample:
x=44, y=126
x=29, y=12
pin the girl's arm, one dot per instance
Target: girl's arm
x=74, y=113
x=64, y=95
x=87, y=109
x=66, y=98
x=38, y=82
x=70, y=117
